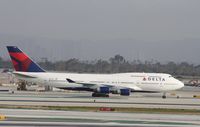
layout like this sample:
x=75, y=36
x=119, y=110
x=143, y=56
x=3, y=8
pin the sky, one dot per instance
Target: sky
x=163, y=30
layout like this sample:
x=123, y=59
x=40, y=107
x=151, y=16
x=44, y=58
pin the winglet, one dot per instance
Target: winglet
x=70, y=81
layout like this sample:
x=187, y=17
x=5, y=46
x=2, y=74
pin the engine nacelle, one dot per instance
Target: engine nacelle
x=103, y=89
x=122, y=92
x=125, y=92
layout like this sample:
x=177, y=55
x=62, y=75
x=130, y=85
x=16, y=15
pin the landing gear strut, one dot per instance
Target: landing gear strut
x=164, y=95
x=99, y=95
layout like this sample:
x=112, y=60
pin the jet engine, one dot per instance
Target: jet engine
x=125, y=92
x=122, y=91
x=103, y=89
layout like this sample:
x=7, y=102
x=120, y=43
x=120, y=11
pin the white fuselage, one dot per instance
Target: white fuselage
x=135, y=81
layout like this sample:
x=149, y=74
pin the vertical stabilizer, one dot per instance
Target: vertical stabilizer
x=22, y=62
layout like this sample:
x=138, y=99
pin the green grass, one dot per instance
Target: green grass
x=115, y=109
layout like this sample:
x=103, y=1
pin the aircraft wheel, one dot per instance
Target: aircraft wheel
x=99, y=95
x=164, y=96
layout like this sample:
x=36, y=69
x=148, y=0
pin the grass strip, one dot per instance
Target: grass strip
x=114, y=109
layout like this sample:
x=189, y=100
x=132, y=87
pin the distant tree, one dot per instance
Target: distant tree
x=47, y=65
x=117, y=59
x=170, y=68
x=1, y=62
x=116, y=64
x=102, y=66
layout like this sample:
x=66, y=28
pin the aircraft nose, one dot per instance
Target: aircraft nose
x=180, y=84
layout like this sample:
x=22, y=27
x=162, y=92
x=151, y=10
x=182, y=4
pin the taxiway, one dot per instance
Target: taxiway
x=182, y=99
x=185, y=100
x=23, y=117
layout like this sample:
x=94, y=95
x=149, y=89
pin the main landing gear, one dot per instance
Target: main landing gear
x=164, y=95
x=95, y=94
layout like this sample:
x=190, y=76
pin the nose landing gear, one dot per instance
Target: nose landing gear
x=164, y=95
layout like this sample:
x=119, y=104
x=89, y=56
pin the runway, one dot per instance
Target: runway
x=23, y=117
x=137, y=100
x=30, y=117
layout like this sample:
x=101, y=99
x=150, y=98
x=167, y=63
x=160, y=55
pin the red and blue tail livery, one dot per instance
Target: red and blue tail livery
x=21, y=61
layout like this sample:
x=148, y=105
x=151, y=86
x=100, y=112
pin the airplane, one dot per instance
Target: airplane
x=100, y=84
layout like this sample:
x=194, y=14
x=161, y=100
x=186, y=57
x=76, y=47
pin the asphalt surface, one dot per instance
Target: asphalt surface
x=137, y=100
x=23, y=117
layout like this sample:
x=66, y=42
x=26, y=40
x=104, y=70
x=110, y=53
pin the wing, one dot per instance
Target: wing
x=89, y=85
x=112, y=87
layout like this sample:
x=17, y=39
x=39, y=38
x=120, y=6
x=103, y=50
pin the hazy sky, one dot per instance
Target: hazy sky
x=170, y=28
